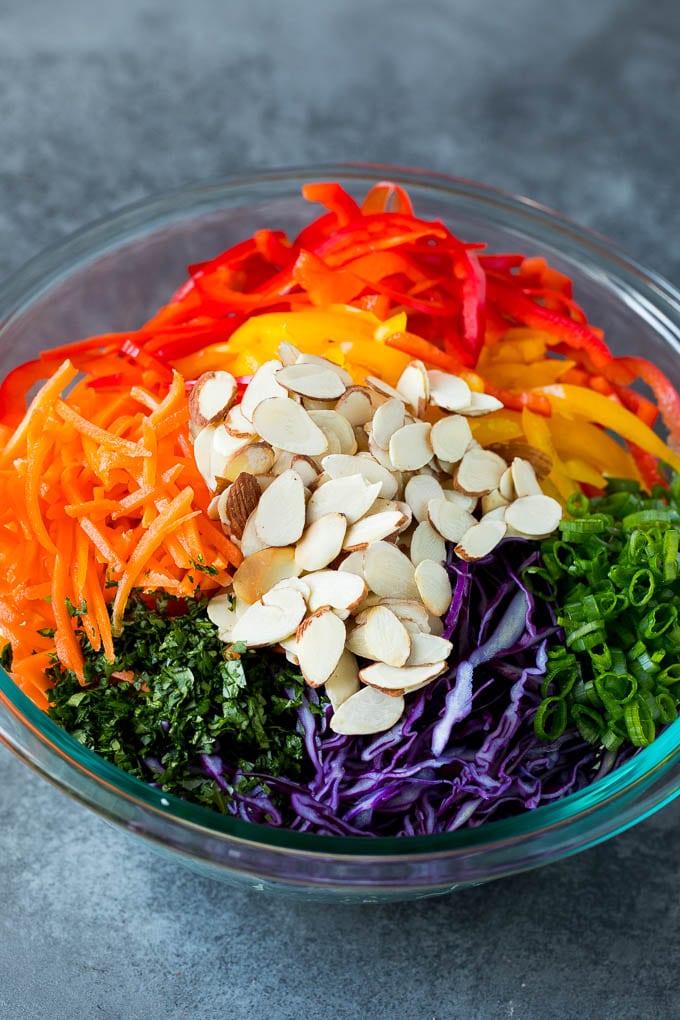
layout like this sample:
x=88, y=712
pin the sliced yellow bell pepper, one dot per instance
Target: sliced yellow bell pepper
x=537, y=432
x=579, y=402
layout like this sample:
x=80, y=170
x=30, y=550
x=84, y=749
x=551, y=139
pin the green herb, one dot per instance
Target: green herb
x=6, y=657
x=188, y=696
x=614, y=574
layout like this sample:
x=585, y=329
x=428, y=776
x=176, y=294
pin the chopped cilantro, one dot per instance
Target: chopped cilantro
x=188, y=696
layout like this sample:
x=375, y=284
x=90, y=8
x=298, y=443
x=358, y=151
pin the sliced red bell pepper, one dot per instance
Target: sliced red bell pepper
x=387, y=197
x=626, y=370
x=334, y=198
x=515, y=305
x=535, y=271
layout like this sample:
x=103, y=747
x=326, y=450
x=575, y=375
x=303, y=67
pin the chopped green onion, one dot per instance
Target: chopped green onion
x=641, y=587
x=550, y=720
x=614, y=567
x=639, y=723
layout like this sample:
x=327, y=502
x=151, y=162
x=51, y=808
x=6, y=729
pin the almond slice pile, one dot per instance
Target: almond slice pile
x=342, y=499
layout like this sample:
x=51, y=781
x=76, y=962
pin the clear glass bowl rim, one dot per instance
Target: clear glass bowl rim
x=58, y=261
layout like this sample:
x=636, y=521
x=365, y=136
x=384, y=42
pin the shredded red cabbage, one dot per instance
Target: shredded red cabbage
x=463, y=752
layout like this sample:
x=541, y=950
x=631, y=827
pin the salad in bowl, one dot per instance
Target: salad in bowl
x=366, y=532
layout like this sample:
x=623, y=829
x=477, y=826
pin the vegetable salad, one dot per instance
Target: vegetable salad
x=365, y=532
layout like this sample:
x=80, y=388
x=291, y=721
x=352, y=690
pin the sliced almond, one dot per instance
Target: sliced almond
x=287, y=425
x=237, y=425
x=496, y=514
x=389, y=572
x=388, y=418
x=414, y=387
x=259, y=572
x=223, y=610
x=356, y=405
x=320, y=644
x=289, y=647
x=283, y=461
x=344, y=680
x=383, y=505
x=481, y=404
x=213, y=510
x=427, y=544
x=377, y=452
x=506, y=486
x=264, y=481
x=294, y=583
x=524, y=478
x=241, y=499
x=426, y=649
x=333, y=424
x=356, y=642
x=451, y=437
x=340, y=465
x=410, y=446
x=448, y=519
x=373, y=528
x=250, y=540
x=494, y=500
x=280, y=514
x=448, y=391
x=368, y=711
x=534, y=516
x=306, y=468
x=461, y=499
x=311, y=380
x=479, y=471
x=351, y=496
x=253, y=459
x=211, y=397
x=434, y=586
x=380, y=387
x=480, y=540
x=321, y=542
x=410, y=611
x=288, y=353
x=263, y=386
x=203, y=451
x=313, y=404
x=354, y=563
x=400, y=678
x=327, y=364
x=386, y=637
x=361, y=438
x=224, y=448
x=420, y=489
x=539, y=460
x=270, y=620
x=335, y=588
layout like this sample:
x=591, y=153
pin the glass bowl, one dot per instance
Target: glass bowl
x=111, y=276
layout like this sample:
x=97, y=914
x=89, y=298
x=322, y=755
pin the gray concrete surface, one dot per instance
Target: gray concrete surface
x=575, y=105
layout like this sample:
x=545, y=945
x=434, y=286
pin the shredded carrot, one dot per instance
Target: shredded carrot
x=90, y=500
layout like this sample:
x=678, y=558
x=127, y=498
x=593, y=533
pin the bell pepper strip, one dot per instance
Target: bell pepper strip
x=387, y=197
x=648, y=467
x=517, y=401
x=538, y=433
x=334, y=198
x=576, y=401
x=424, y=351
x=626, y=370
x=576, y=439
x=517, y=306
x=535, y=271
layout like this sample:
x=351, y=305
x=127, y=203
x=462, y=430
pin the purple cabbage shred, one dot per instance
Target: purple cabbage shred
x=464, y=751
